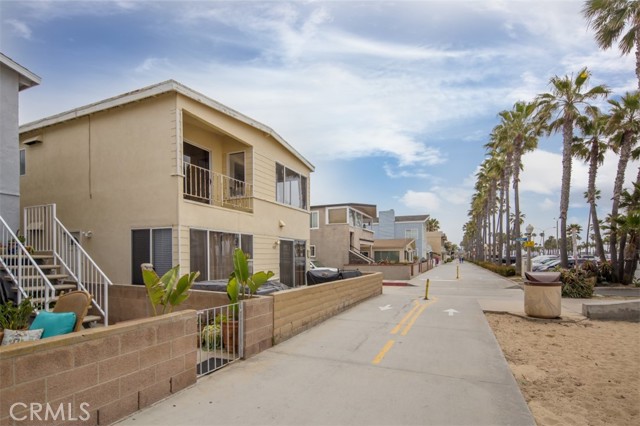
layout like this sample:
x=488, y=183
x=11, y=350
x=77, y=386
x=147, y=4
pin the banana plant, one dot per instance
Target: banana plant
x=167, y=291
x=240, y=282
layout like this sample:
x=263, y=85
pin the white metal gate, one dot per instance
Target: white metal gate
x=220, y=337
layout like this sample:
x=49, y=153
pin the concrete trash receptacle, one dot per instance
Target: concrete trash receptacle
x=542, y=294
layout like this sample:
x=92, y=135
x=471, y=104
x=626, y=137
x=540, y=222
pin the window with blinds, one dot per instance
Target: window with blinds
x=153, y=246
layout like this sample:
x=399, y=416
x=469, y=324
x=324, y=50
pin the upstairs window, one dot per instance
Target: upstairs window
x=314, y=220
x=291, y=187
x=411, y=233
x=23, y=162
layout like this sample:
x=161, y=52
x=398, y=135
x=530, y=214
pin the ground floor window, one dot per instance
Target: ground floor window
x=153, y=246
x=212, y=252
x=312, y=251
x=386, y=256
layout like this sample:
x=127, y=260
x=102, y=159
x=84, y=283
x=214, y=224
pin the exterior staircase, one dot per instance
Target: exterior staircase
x=357, y=258
x=49, y=263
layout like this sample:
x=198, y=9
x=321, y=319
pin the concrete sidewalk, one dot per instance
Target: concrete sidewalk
x=396, y=359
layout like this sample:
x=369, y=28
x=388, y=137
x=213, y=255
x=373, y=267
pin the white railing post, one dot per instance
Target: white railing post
x=53, y=216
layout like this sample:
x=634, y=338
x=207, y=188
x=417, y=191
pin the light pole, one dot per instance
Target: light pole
x=557, y=242
x=529, y=232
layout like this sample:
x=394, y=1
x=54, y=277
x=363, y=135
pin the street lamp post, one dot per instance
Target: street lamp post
x=529, y=232
x=557, y=242
x=542, y=242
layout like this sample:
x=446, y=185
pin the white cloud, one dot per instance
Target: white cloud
x=152, y=65
x=20, y=28
x=421, y=201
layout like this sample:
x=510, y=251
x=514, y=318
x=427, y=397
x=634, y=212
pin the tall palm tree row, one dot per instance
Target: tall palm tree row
x=587, y=133
x=591, y=148
x=559, y=109
x=616, y=20
x=624, y=126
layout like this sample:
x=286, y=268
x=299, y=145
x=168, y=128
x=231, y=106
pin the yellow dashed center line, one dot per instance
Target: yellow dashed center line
x=383, y=352
x=408, y=320
x=416, y=305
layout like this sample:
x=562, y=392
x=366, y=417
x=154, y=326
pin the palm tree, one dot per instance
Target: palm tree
x=560, y=109
x=624, y=126
x=500, y=147
x=433, y=224
x=591, y=149
x=616, y=20
x=523, y=132
x=629, y=225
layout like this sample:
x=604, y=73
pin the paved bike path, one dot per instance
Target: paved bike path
x=396, y=359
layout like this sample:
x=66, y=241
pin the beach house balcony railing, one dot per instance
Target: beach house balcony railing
x=204, y=186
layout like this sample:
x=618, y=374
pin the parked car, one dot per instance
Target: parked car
x=546, y=266
x=314, y=265
x=543, y=258
x=221, y=285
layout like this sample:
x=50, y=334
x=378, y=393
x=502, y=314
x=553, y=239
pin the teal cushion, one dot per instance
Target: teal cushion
x=54, y=324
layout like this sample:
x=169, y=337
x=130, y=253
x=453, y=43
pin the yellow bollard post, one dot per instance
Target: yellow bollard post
x=457, y=272
x=426, y=291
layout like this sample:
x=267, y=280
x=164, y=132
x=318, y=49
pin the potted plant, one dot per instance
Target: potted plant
x=167, y=291
x=241, y=286
x=15, y=317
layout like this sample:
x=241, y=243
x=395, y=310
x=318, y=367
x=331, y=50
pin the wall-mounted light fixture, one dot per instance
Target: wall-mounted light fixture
x=282, y=224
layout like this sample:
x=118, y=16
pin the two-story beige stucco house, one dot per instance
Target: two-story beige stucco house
x=341, y=234
x=169, y=176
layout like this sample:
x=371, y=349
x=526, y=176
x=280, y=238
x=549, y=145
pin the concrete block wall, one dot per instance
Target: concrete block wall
x=258, y=325
x=300, y=308
x=127, y=302
x=114, y=371
x=390, y=272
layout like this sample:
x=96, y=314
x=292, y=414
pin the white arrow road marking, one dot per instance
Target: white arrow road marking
x=451, y=311
x=385, y=308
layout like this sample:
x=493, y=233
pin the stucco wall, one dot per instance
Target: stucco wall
x=108, y=173
x=116, y=370
x=394, y=272
x=120, y=169
x=9, y=164
x=301, y=308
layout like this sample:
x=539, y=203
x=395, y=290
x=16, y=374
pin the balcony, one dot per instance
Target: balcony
x=207, y=187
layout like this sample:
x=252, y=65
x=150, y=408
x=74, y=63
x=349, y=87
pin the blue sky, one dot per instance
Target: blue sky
x=391, y=101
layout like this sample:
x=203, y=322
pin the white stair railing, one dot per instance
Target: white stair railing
x=22, y=269
x=206, y=186
x=46, y=233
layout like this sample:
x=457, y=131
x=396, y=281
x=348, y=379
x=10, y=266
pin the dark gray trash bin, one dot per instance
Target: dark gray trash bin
x=542, y=294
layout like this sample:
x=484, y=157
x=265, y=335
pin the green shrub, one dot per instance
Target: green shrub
x=576, y=284
x=505, y=271
x=605, y=272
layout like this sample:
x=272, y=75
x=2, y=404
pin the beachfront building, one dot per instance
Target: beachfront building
x=388, y=226
x=167, y=175
x=341, y=234
x=14, y=78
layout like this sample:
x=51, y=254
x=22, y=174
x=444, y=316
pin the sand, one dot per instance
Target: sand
x=574, y=373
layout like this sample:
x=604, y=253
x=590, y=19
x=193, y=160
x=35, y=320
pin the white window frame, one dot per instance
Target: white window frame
x=411, y=233
x=312, y=251
x=304, y=199
x=317, y=216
